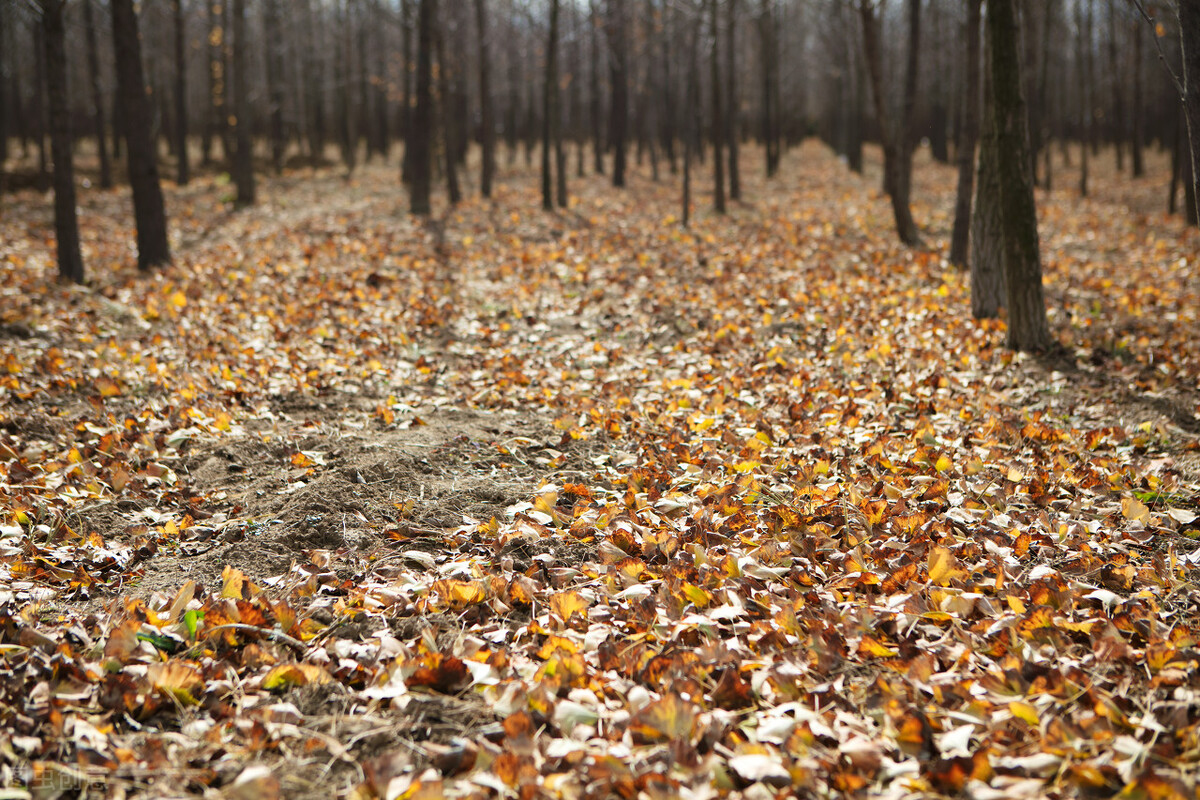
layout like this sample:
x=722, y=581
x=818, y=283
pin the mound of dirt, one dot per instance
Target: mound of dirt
x=327, y=486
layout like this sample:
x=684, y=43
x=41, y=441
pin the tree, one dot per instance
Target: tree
x=619, y=75
x=1028, y=329
x=1189, y=38
x=487, y=138
x=897, y=150
x=987, y=271
x=93, y=65
x=447, y=73
x=181, y=128
x=418, y=142
x=243, y=163
x=272, y=34
x=970, y=137
x=550, y=108
x=731, y=118
x=66, y=226
x=718, y=122
x=151, y=218
x=770, y=85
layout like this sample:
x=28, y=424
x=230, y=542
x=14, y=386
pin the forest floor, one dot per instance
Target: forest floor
x=584, y=504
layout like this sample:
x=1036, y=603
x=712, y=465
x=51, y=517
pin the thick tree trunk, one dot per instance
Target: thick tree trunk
x=66, y=226
x=549, y=108
x=487, y=138
x=44, y=181
x=418, y=143
x=181, y=126
x=151, y=219
x=1114, y=76
x=1189, y=37
x=1083, y=23
x=243, y=165
x=960, y=237
x=619, y=67
x=1028, y=329
x=770, y=80
x=446, y=106
x=732, y=118
x=718, y=121
x=93, y=64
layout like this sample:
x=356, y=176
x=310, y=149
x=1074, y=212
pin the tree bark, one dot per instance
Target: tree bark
x=1083, y=22
x=1114, y=77
x=181, y=126
x=66, y=226
x=960, y=237
x=153, y=249
x=243, y=166
x=770, y=79
x=1028, y=329
x=419, y=163
x=487, y=137
x=549, y=108
x=1189, y=37
x=718, y=121
x=446, y=74
x=1136, y=143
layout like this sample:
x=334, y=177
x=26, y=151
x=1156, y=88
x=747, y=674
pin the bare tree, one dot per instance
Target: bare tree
x=153, y=249
x=969, y=139
x=487, y=139
x=243, y=164
x=419, y=142
x=66, y=226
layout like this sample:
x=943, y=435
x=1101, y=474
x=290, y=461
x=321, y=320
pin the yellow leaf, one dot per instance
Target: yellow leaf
x=285, y=676
x=1134, y=510
x=234, y=580
x=1024, y=712
x=943, y=566
x=873, y=648
x=564, y=605
x=943, y=463
x=746, y=466
x=179, y=299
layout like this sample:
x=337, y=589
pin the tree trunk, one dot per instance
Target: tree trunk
x=1083, y=22
x=986, y=237
x=93, y=64
x=1114, y=76
x=667, y=88
x=718, y=121
x=549, y=108
x=151, y=219
x=419, y=163
x=446, y=73
x=896, y=151
x=732, y=118
x=44, y=180
x=4, y=117
x=1136, y=143
x=770, y=72
x=487, y=137
x=960, y=238
x=181, y=127
x=620, y=90
x=691, y=132
x=66, y=226
x=1028, y=329
x=596, y=101
x=1189, y=37
x=243, y=166
x=272, y=33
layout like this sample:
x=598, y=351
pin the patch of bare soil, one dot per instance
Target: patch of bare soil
x=332, y=479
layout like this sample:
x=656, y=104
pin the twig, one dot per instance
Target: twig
x=278, y=636
x=1158, y=46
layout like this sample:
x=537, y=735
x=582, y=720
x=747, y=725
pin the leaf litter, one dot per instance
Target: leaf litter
x=587, y=505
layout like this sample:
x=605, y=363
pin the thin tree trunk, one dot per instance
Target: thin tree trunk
x=151, y=219
x=718, y=121
x=595, y=100
x=1028, y=329
x=549, y=108
x=1189, y=36
x=93, y=64
x=419, y=163
x=1083, y=21
x=896, y=152
x=667, y=88
x=1114, y=76
x=406, y=69
x=487, y=137
x=732, y=118
x=620, y=90
x=181, y=126
x=986, y=238
x=960, y=238
x=449, y=124
x=66, y=226
x=1136, y=144
x=272, y=33
x=243, y=167
x=44, y=179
